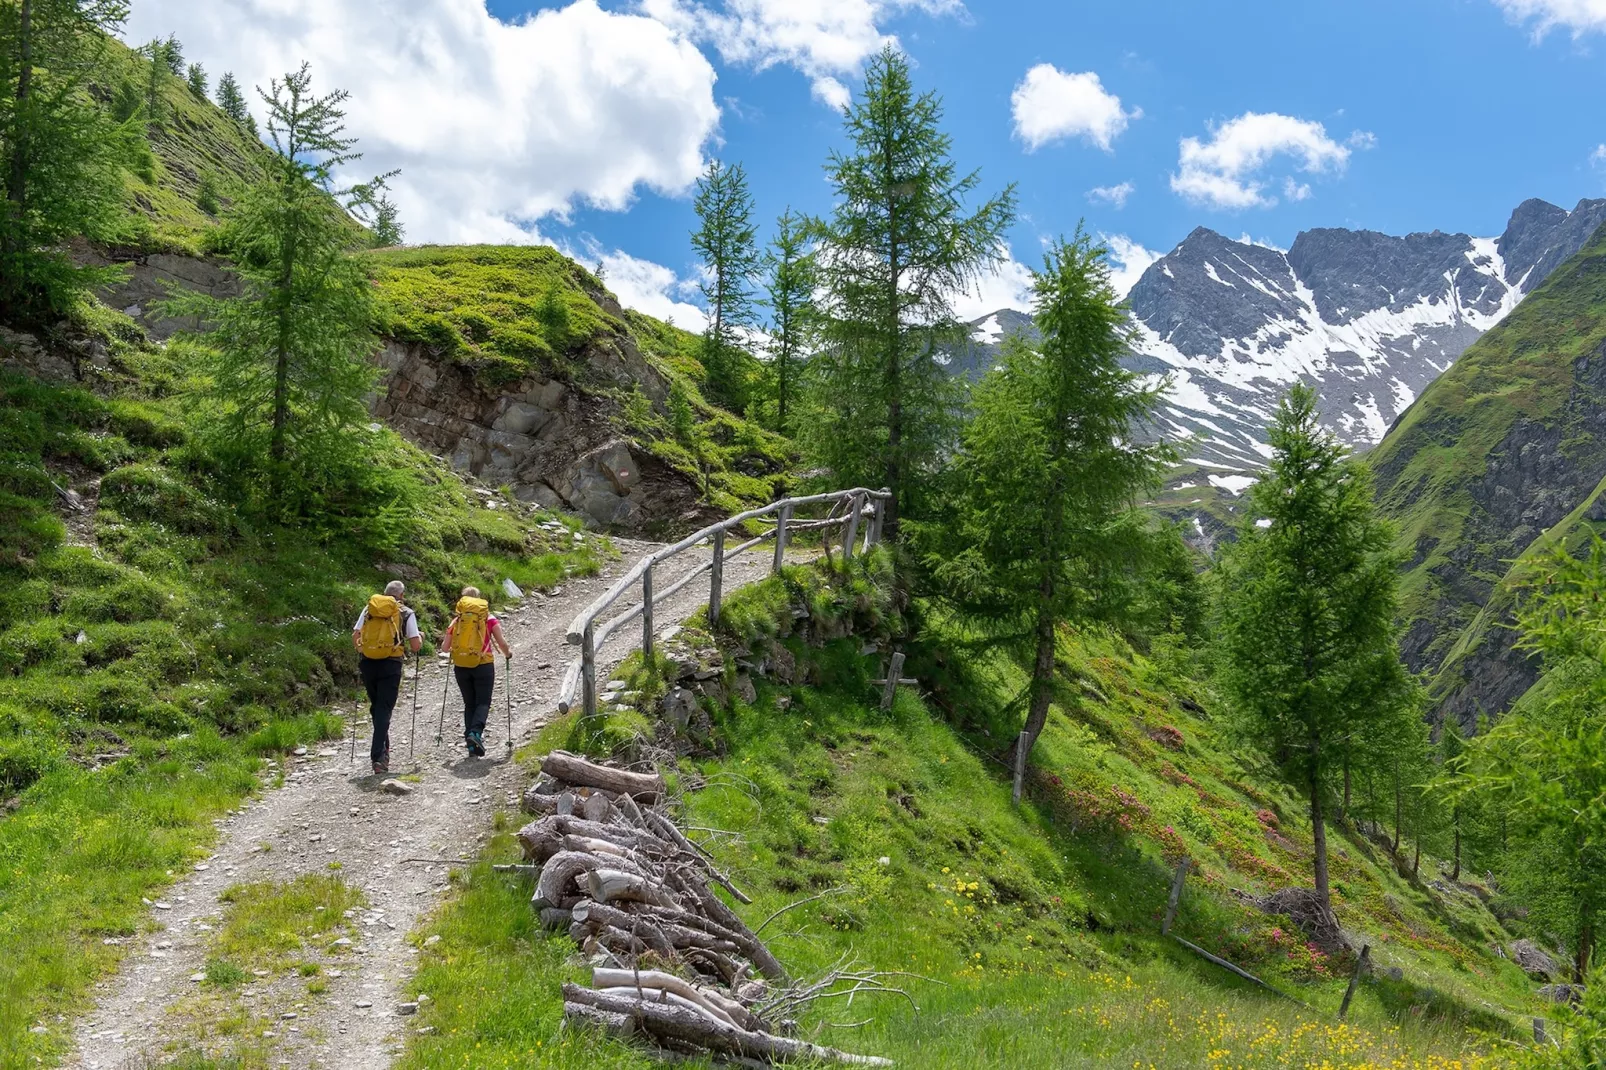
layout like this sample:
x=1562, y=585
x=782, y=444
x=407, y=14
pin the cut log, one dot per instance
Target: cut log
x=543, y=838
x=691, y=1026
x=573, y=769
x=538, y=804
x=608, y=885
x=557, y=880
x=555, y=918
x=679, y=936
x=723, y=1007
x=612, y=1023
x=597, y=808
x=594, y=846
x=713, y=908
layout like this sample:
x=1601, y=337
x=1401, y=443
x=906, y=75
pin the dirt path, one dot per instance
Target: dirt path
x=330, y=811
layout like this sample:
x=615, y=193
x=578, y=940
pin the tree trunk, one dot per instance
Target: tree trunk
x=1416, y=857
x=781, y=363
x=1042, y=681
x=1586, y=949
x=1318, y=827
x=893, y=371
x=1397, y=804
x=1455, y=873
x=281, y=349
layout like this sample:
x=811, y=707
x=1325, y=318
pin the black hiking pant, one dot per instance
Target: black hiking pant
x=382, y=678
x=476, y=684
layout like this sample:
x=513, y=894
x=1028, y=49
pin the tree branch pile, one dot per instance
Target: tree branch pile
x=673, y=964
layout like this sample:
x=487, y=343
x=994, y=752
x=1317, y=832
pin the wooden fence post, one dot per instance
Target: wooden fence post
x=875, y=521
x=780, y=536
x=854, y=505
x=890, y=687
x=1354, y=979
x=716, y=577
x=646, y=614
x=588, y=672
x=1176, y=897
x=1539, y=1032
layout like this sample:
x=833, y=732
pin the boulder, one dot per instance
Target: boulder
x=744, y=688
x=1533, y=960
x=522, y=418
x=1563, y=993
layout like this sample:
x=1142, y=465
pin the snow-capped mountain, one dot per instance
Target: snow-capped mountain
x=1366, y=318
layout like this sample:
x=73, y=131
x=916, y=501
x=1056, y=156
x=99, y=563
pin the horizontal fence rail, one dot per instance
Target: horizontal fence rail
x=847, y=510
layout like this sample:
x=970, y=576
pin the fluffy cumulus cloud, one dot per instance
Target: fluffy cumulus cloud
x=493, y=125
x=1050, y=105
x=828, y=40
x=1228, y=169
x=1579, y=16
x=1007, y=285
x=1113, y=195
x=650, y=288
x=1128, y=261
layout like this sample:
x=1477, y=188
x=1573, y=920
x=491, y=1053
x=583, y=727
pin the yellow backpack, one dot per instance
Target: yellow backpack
x=471, y=643
x=382, y=629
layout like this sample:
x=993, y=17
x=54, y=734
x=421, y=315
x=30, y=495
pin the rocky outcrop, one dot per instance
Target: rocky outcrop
x=152, y=279
x=551, y=442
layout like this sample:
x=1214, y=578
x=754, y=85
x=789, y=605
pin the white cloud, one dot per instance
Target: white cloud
x=493, y=125
x=1579, y=16
x=1128, y=261
x=1597, y=158
x=1008, y=285
x=1050, y=104
x=651, y=288
x=827, y=40
x=1115, y=195
x=1224, y=171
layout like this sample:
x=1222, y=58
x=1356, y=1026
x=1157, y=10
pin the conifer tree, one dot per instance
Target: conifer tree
x=60, y=153
x=724, y=240
x=387, y=228
x=197, y=81
x=170, y=54
x=790, y=265
x=898, y=245
x=155, y=74
x=290, y=367
x=1306, y=617
x=1043, y=527
x=229, y=98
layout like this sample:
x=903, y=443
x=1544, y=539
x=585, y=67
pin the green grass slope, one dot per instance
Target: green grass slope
x=156, y=649
x=1498, y=451
x=1029, y=935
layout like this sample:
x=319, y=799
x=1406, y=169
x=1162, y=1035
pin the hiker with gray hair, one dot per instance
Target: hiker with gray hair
x=385, y=632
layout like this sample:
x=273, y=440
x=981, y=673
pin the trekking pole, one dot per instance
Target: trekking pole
x=354, y=736
x=446, y=683
x=507, y=691
x=418, y=670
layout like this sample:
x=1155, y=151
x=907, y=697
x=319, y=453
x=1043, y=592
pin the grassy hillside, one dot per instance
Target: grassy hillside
x=510, y=311
x=1030, y=934
x=192, y=143
x=1505, y=446
x=157, y=649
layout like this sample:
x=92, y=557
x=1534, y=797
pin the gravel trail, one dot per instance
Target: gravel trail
x=328, y=810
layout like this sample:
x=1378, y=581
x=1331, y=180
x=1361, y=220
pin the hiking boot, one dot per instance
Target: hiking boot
x=476, y=745
x=382, y=766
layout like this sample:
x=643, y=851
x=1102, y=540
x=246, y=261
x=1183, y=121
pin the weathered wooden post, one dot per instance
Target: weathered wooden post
x=588, y=672
x=1540, y=1036
x=1176, y=897
x=875, y=521
x=780, y=536
x=855, y=504
x=889, y=689
x=716, y=577
x=1354, y=979
x=646, y=614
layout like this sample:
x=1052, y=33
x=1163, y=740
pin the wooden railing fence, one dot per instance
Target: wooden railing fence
x=846, y=509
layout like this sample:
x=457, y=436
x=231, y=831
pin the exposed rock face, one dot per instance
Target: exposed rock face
x=1533, y=960
x=153, y=279
x=552, y=443
x=1368, y=319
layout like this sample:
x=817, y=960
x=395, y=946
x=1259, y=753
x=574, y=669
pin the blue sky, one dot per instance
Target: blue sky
x=1396, y=116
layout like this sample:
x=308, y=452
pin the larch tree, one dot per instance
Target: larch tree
x=197, y=81
x=1306, y=618
x=290, y=365
x=1042, y=528
x=60, y=153
x=791, y=277
x=900, y=243
x=725, y=240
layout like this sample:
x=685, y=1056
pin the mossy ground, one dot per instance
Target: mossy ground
x=1029, y=934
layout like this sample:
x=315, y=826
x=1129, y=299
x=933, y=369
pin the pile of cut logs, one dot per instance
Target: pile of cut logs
x=672, y=963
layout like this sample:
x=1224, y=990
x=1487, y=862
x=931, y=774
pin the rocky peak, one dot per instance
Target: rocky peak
x=1539, y=236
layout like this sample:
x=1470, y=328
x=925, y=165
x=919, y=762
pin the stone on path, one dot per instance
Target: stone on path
x=396, y=787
